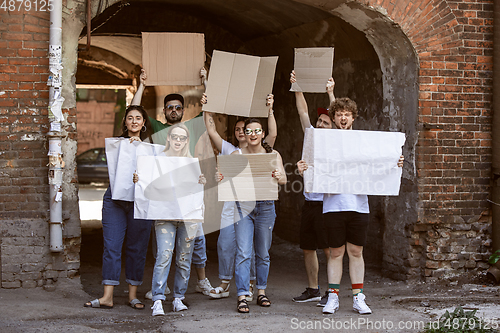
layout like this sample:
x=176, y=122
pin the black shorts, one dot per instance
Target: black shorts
x=313, y=233
x=345, y=227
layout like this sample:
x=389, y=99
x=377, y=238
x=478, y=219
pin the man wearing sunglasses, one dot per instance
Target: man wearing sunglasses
x=173, y=110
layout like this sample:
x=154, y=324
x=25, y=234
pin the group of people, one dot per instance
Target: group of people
x=332, y=222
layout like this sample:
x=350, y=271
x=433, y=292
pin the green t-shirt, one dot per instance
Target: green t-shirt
x=195, y=126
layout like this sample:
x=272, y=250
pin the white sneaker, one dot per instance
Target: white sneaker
x=332, y=304
x=204, y=287
x=149, y=294
x=157, y=308
x=178, y=305
x=359, y=304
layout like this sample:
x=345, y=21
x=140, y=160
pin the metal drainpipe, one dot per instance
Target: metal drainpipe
x=495, y=189
x=55, y=136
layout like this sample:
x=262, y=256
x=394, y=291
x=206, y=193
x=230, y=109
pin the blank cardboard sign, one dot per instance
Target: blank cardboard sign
x=247, y=177
x=313, y=67
x=238, y=84
x=173, y=58
x=355, y=162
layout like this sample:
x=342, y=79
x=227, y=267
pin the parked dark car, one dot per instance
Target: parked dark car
x=92, y=166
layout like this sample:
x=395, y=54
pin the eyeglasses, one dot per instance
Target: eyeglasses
x=177, y=137
x=249, y=131
x=176, y=107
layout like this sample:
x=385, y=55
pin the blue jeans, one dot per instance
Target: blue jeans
x=226, y=244
x=200, y=248
x=170, y=234
x=118, y=224
x=255, y=227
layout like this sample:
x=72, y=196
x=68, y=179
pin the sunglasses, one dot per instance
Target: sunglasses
x=177, y=137
x=249, y=131
x=174, y=107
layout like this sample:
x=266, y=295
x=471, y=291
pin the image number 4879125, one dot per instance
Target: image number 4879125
x=26, y=5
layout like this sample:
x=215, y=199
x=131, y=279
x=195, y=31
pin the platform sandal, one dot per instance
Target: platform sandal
x=220, y=292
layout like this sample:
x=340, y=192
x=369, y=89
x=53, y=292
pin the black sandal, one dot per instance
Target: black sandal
x=262, y=300
x=243, y=305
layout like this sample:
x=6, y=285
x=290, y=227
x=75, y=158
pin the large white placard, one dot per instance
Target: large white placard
x=112, y=146
x=352, y=161
x=247, y=177
x=168, y=189
x=121, y=156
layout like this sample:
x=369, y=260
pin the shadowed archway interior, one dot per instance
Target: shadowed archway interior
x=374, y=64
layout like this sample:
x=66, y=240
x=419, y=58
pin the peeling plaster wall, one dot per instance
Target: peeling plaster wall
x=72, y=24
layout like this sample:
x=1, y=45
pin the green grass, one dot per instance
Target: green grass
x=460, y=321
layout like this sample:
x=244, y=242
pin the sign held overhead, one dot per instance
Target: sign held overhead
x=173, y=59
x=313, y=67
x=238, y=84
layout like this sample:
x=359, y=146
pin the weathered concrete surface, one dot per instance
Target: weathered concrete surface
x=37, y=310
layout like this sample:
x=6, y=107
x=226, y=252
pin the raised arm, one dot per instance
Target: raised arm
x=210, y=125
x=329, y=89
x=300, y=101
x=203, y=75
x=271, y=122
x=140, y=90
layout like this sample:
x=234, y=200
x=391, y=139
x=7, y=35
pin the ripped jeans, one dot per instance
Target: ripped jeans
x=170, y=234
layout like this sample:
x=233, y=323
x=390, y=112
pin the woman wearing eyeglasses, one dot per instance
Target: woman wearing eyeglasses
x=256, y=225
x=226, y=243
x=171, y=234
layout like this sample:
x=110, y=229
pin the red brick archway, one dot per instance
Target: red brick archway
x=452, y=45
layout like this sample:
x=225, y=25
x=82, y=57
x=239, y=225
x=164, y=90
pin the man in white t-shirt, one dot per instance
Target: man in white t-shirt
x=346, y=218
x=313, y=235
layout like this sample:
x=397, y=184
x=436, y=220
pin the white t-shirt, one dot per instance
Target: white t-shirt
x=227, y=148
x=312, y=196
x=345, y=203
x=228, y=208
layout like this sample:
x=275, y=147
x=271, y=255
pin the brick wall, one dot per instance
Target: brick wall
x=454, y=43
x=26, y=260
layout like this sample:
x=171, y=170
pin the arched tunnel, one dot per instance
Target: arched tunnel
x=374, y=64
